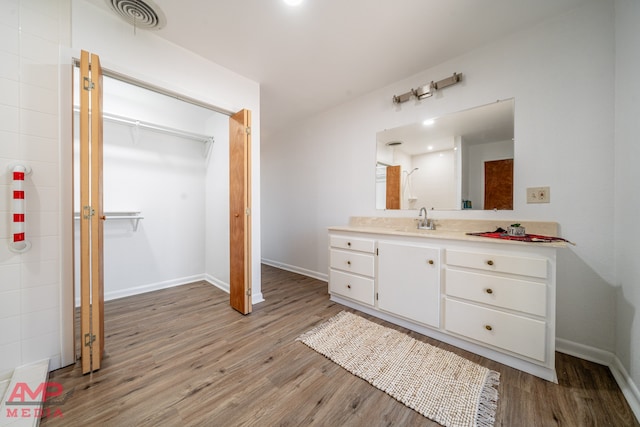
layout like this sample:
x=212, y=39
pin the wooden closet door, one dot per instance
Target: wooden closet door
x=240, y=211
x=91, y=214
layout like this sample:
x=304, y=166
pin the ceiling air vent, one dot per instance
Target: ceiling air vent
x=145, y=15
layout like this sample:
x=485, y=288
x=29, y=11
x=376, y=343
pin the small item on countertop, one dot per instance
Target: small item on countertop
x=515, y=230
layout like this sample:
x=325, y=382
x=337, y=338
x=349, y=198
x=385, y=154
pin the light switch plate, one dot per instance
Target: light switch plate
x=538, y=195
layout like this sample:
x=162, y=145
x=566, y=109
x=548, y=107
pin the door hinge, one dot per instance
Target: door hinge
x=248, y=130
x=87, y=84
x=247, y=211
x=377, y=253
x=88, y=212
x=249, y=292
x=89, y=339
x=376, y=296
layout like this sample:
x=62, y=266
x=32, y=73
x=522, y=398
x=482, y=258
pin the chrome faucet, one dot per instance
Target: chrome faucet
x=426, y=223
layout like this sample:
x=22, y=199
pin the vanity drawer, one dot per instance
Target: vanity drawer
x=352, y=262
x=507, y=331
x=500, y=291
x=348, y=285
x=354, y=244
x=533, y=267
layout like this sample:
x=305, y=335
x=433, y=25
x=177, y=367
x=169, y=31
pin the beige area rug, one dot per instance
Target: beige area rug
x=436, y=383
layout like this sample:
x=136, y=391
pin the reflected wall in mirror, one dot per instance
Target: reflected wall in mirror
x=460, y=161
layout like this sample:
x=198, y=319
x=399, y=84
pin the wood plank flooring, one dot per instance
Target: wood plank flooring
x=183, y=357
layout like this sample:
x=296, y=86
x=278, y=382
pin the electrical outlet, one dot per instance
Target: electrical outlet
x=538, y=195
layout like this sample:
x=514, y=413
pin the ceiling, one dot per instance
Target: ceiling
x=322, y=53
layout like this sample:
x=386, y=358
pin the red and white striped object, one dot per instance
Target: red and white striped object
x=19, y=243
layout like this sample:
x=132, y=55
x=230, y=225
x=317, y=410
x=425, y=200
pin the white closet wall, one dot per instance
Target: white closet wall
x=163, y=177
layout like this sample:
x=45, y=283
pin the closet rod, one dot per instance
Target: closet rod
x=152, y=126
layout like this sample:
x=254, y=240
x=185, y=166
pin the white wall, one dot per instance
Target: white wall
x=30, y=314
x=560, y=75
x=217, y=207
x=627, y=177
x=438, y=170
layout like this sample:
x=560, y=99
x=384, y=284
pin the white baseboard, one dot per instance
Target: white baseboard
x=108, y=296
x=224, y=286
x=625, y=382
x=309, y=273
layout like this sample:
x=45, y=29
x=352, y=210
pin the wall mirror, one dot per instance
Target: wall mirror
x=463, y=160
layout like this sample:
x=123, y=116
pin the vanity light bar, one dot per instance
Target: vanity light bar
x=427, y=90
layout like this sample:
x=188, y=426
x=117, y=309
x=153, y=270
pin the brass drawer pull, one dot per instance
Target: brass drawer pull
x=430, y=262
x=488, y=327
x=348, y=262
x=489, y=291
x=348, y=286
x=349, y=244
x=490, y=262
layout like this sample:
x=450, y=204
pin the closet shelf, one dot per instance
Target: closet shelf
x=135, y=125
x=134, y=216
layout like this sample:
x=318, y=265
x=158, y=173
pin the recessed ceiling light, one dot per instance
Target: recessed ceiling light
x=293, y=2
x=429, y=122
x=430, y=148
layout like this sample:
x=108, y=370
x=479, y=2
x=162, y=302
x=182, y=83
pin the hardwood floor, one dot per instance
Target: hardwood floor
x=182, y=356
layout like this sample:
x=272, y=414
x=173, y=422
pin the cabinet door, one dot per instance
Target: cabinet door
x=409, y=281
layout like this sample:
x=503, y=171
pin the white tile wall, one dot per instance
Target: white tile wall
x=11, y=39
x=40, y=25
x=38, y=348
x=38, y=99
x=38, y=73
x=9, y=303
x=10, y=274
x=9, y=12
x=10, y=327
x=29, y=133
x=36, y=148
x=9, y=92
x=38, y=323
x=43, y=223
x=43, y=273
x=9, y=65
x=38, y=298
x=45, y=198
x=10, y=356
x=9, y=118
x=38, y=123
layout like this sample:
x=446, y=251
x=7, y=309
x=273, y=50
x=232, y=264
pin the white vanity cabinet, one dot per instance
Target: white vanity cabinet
x=352, y=268
x=409, y=281
x=493, y=298
x=499, y=300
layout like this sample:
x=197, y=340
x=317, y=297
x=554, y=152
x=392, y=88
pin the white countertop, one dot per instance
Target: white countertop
x=450, y=229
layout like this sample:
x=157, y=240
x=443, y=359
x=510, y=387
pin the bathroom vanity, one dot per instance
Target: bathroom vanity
x=495, y=298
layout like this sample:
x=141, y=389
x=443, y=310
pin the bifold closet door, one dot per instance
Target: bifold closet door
x=240, y=211
x=91, y=214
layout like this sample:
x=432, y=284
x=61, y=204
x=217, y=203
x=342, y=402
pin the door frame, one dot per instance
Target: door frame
x=68, y=60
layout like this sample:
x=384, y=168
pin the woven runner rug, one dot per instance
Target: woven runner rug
x=438, y=384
